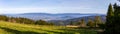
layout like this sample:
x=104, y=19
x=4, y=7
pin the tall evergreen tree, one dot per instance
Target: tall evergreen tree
x=109, y=20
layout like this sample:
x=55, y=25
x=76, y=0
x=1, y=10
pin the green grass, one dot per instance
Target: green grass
x=15, y=28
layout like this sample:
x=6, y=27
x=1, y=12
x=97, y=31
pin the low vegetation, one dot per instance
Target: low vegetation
x=16, y=28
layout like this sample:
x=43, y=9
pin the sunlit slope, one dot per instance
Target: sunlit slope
x=15, y=28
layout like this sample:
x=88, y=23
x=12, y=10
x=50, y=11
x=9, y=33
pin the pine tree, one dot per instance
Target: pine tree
x=109, y=20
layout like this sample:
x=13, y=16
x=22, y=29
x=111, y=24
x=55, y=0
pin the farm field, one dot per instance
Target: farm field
x=16, y=28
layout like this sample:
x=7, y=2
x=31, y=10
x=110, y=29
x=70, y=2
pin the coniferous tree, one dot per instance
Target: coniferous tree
x=116, y=19
x=109, y=20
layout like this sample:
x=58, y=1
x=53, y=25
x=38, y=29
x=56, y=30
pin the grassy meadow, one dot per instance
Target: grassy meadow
x=16, y=28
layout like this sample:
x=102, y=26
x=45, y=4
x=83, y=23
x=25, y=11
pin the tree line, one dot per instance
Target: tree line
x=92, y=23
x=24, y=20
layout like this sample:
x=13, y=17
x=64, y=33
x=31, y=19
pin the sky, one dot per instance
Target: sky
x=54, y=6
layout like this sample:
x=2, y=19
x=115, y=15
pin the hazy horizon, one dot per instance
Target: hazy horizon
x=54, y=6
x=49, y=13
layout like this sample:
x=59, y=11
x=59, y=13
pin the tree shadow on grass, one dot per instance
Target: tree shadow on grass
x=20, y=32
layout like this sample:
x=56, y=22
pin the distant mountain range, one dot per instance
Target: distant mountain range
x=50, y=17
x=65, y=18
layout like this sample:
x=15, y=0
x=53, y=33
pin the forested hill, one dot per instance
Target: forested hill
x=75, y=20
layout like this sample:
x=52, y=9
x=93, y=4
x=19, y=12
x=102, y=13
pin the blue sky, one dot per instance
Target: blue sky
x=54, y=6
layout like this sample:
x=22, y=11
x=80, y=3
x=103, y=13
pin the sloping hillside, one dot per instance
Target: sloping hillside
x=15, y=28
